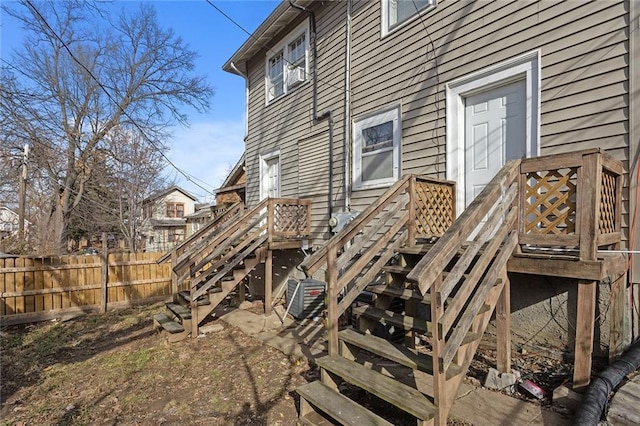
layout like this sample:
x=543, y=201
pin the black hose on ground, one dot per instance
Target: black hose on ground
x=596, y=396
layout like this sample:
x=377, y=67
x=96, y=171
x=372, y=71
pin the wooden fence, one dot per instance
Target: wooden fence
x=41, y=288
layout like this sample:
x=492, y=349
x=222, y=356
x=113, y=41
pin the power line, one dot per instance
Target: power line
x=122, y=110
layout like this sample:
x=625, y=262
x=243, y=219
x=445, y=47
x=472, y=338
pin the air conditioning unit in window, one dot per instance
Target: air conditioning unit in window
x=296, y=76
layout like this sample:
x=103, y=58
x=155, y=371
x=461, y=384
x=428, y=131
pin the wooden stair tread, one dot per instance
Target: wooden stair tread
x=393, y=318
x=180, y=311
x=168, y=324
x=397, y=269
x=418, y=250
x=406, y=322
x=397, y=353
x=337, y=406
x=400, y=293
x=402, y=396
x=187, y=296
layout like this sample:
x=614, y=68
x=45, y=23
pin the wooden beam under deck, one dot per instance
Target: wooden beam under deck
x=607, y=266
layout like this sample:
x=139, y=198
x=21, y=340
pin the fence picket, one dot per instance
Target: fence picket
x=40, y=288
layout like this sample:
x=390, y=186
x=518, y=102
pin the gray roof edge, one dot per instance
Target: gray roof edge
x=274, y=18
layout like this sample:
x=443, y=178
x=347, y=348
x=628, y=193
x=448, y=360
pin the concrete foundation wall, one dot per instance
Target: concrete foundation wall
x=543, y=313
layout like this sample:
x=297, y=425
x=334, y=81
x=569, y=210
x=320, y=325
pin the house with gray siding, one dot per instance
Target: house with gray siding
x=347, y=98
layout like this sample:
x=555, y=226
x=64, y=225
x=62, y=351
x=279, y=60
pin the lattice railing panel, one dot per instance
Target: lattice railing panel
x=608, y=203
x=550, y=202
x=434, y=208
x=290, y=219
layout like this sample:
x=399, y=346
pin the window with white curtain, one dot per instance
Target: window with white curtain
x=376, y=150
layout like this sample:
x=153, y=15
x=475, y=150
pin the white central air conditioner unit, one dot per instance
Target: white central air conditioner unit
x=296, y=76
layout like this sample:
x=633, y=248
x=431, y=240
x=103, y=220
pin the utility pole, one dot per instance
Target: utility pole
x=22, y=194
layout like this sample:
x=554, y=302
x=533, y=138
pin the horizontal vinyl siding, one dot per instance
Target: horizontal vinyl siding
x=287, y=122
x=584, y=78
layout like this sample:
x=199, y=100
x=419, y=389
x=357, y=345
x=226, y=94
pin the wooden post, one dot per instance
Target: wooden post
x=332, y=301
x=104, y=257
x=440, y=390
x=616, y=322
x=411, y=222
x=503, y=324
x=174, y=276
x=589, y=189
x=268, y=282
x=270, y=224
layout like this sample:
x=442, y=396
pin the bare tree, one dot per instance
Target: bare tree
x=81, y=74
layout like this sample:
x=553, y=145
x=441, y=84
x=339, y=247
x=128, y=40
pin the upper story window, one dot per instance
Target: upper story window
x=396, y=13
x=377, y=149
x=175, y=210
x=288, y=64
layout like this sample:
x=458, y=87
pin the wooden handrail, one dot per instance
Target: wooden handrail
x=312, y=263
x=435, y=261
x=212, y=225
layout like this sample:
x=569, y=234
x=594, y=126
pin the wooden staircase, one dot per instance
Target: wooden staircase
x=449, y=276
x=213, y=263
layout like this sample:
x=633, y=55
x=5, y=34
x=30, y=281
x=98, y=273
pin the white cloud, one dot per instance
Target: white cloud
x=206, y=150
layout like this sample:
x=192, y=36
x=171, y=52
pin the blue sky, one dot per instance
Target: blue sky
x=214, y=141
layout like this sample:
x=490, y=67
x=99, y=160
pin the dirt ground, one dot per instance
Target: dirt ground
x=115, y=369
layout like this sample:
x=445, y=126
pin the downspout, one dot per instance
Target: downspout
x=246, y=99
x=347, y=111
x=327, y=115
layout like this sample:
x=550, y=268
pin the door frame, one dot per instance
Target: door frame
x=263, y=169
x=525, y=67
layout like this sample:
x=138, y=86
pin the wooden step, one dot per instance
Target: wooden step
x=336, y=406
x=417, y=250
x=406, y=322
x=185, y=295
x=399, y=354
x=402, y=396
x=396, y=269
x=400, y=293
x=167, y=323
x=179, y=311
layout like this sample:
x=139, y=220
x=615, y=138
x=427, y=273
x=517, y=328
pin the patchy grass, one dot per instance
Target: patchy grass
x=115, y=369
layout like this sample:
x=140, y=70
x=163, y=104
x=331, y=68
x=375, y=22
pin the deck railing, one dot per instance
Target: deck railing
x=571, y=200
x=414, y=207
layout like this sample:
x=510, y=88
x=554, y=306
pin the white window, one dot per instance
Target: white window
x=376, y=149
x=396, y=13
x=288, y=64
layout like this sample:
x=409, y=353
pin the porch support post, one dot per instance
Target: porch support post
x=503, y=324
x=332, y=300
x=268, y=282
x=589, y=187
x=584, y=332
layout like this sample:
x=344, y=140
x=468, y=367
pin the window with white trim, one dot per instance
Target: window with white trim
x=376, y=149
x=288, y=64
x=396, y=13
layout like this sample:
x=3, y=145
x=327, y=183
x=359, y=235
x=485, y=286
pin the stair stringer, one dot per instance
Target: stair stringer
x=228, y=286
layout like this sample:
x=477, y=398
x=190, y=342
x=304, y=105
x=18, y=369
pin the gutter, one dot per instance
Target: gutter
x=327, y=115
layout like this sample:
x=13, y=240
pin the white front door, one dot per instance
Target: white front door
x=271, y=177
x=495, y=132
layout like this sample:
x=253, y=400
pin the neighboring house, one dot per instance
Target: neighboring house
x=447, y=89
x=8, y=222
x=165, y=218
x=233, y=189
